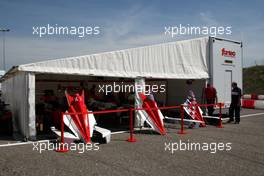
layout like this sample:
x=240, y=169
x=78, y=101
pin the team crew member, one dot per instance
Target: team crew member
x=235, y=103
x=211, y=97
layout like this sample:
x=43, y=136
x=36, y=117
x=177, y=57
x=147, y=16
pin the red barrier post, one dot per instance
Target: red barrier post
x=131, y=138
x=220, y=125
x=182, y=122
x=61, y=145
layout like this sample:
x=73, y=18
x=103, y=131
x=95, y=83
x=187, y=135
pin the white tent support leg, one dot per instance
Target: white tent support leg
x=139, y=87
x=19, y=92
x=31, y=114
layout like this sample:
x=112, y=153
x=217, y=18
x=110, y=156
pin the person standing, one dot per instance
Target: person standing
x=235, y=103
x=211, y=97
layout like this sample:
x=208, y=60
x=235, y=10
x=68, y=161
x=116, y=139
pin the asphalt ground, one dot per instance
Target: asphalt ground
x=152, y=154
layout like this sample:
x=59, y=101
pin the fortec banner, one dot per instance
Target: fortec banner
x=228, y=53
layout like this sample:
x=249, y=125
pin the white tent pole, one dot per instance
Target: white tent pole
x=139, y=87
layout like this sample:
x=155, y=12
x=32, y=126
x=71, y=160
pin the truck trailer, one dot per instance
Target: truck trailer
x=226, y=65
x=224, y=62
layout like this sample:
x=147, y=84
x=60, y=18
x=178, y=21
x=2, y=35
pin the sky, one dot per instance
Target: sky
x=123, y=24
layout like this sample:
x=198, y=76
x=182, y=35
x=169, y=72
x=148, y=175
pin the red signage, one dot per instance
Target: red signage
x=228, y=53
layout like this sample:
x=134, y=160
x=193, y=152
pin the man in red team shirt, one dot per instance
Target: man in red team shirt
x=211, y=97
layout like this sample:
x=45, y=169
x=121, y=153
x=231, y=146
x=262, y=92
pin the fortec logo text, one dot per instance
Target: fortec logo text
x=228, y=53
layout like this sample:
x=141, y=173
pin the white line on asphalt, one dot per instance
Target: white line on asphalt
x=186, y=120
x=127, y=131
x=119, y=132
x=113, y=133
x=21, y=143
x=257, y=114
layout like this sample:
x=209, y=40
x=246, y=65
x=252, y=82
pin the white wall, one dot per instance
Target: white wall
x=19, y=92
x=2, y=72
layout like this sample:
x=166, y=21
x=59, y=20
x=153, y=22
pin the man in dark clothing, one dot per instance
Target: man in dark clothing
x=211, y=97
x=235, y=103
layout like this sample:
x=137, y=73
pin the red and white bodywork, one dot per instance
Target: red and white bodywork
x=153, y=117
x=81, y=124
x=193, y=110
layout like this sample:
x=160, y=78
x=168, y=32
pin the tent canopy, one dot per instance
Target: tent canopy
x=177, y=60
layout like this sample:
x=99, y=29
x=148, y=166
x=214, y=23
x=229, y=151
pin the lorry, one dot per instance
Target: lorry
x=224, y=59
x=226, y=64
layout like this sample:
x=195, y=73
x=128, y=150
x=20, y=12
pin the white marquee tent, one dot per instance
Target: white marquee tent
x=175, y=60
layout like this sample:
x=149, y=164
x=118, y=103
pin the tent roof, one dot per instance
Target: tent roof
x=179, y=60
